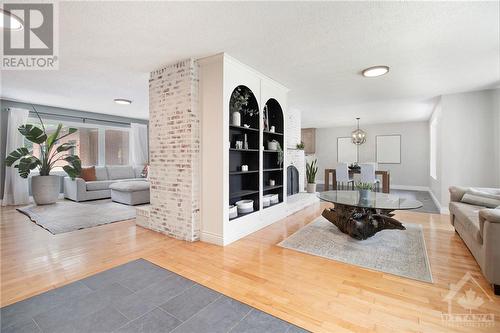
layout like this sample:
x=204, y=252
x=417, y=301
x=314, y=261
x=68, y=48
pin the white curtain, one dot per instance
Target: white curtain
x=16, y=188
x=138, y=144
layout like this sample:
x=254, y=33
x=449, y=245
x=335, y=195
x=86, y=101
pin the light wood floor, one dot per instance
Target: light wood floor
x=318, y=294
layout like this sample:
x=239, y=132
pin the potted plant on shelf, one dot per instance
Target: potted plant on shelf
x=311, y=170
x=300, y=146
x=275, y=146
x=44, y=186
x=238, y=103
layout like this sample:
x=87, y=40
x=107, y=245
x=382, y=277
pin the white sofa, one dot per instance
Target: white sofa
x=81, y=190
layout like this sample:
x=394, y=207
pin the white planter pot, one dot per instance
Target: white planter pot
x=311, y=188
x=236, y=119
x=272, y=145
x=45, y=189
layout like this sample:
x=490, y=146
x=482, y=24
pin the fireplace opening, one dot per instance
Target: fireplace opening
x=292, y=175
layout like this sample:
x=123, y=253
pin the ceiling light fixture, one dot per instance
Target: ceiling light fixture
x=122, y=101
x=375, y=71
x=9, y=21
x=358, y=136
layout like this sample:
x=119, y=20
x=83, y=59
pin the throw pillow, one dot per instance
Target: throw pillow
x=88, y=174
x=144, y=173
x=479, y=198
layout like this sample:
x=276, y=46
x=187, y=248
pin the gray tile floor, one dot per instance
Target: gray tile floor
x=136, y=297
x=423, y=196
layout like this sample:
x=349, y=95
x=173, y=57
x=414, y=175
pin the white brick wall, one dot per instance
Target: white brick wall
x=295, y=157
x=174, y=141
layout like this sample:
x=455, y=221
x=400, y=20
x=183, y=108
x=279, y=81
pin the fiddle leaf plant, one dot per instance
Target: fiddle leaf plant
x=49, y=153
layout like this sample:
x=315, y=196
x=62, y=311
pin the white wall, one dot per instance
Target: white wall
x=469, y=144
x=293, y=156
x=414, y=168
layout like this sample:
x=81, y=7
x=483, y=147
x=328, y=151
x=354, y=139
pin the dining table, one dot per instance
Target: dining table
x=385, y=174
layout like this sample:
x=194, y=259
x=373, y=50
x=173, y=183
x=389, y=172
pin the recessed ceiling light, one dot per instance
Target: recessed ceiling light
x=375, y=71
x=122, y=101
x=10, y=21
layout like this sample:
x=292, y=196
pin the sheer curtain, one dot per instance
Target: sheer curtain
x=16, y=188
x=138, y=144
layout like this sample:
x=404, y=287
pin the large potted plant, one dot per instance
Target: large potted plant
x=311, y=171
x=44, y=186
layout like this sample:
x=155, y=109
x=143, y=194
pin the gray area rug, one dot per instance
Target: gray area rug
x=137, y=297
x=65, y=216
x=399, y=252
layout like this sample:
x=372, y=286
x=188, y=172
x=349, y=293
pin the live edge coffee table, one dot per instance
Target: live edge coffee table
x=361, y=214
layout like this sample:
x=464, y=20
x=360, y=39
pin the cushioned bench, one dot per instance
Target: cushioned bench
x=132, y=193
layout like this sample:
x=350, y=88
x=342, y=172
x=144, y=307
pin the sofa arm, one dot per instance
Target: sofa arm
x=457, y=192
x=490, y=215
x=75, y=189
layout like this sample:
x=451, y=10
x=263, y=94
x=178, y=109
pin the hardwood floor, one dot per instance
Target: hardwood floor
x=318, y=294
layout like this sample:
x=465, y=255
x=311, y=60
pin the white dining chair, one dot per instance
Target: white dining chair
x=342, y=175
x=368, y=174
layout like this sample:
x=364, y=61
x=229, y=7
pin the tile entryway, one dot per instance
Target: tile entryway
x=137, y=297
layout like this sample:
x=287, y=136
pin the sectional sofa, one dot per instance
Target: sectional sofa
x=81, y=190
x=479, y=228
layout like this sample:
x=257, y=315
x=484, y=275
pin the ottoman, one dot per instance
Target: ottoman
x=130, y=192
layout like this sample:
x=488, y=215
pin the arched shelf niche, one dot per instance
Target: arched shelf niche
x=273, y=158
x=244, y=129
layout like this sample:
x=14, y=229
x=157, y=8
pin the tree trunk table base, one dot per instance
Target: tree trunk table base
x=361, y=223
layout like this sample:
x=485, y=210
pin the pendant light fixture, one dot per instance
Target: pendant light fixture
x=358, y=135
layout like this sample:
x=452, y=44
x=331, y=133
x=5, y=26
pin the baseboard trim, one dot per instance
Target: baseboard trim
x=410, y=188
x=212, y=238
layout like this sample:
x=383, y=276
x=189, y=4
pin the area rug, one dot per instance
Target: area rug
x=65, y=216
x=399, y=252
x=137, y=297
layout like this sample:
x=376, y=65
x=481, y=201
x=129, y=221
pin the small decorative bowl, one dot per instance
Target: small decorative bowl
x=244, y=206
x=273, y=198
x=233, y=212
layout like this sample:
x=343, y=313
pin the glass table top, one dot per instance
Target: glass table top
x=375, y=200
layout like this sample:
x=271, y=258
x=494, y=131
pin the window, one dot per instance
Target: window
x=433, y=148
x=95, y=144
x=116, y=147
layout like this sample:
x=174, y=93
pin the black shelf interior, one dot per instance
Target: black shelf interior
x=244, y=185
x=272, y=169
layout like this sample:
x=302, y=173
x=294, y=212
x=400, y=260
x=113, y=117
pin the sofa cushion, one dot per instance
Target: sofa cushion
x=101, y=173
x=468, y=217
x=138, y=171
x=120, y=171
x=486, y=197
x=130, y=186
x=98, y=185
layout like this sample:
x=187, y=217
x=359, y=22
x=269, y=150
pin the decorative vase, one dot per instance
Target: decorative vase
x=45, y=189
x=364, y=195
x=311, y=187
x=236, y=118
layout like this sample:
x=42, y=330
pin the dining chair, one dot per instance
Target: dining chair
x=368, y=174
x=342, y=176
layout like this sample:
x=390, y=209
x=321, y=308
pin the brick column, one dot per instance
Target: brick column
x=174, y=150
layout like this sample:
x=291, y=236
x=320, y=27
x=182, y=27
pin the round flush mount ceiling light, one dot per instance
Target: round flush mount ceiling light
x=375, y=71
x=9, y=21
x=122, y=101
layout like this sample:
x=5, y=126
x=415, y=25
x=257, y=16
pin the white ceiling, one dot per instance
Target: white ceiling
x=316, y=49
